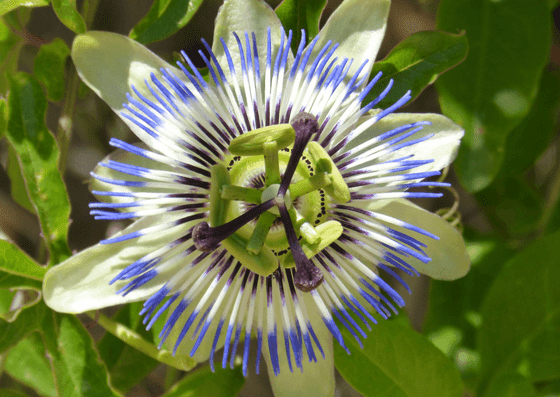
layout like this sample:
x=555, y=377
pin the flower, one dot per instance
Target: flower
x=265, y=198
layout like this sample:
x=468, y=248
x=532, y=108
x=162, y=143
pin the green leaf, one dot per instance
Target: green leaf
x=521, y=315
x=10, y=47
x=21, y=273
x=456, y=304
x=17, y=182
x=415, y=63
x=512, y=205
x=75, y=362
x=396, y=362
x=510, y=385
x=27, y=363
x=9, y=5
x=301, y=14
x=202, y=382
x=15, y=261
x=530, y=139
x=493, y=90
x=49, y=68
x=38, y=157
x=164, y=18
x=126, y=365
x=66, y=11
x=28, y=321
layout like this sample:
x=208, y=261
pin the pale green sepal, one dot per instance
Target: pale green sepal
x=317, y=379
x=110, y=63
x=358, y=26
x=449, y=254
x=442, y=147
x=245, y=16
x=81, y=283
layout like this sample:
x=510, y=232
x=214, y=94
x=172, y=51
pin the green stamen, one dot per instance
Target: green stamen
x=306, y=230
x=271, y=164
x=264, y=263
x=338, y=189
x=260, y=233
x=251, y=143
x=329, y=232
x=231, y=192
x=308, y=185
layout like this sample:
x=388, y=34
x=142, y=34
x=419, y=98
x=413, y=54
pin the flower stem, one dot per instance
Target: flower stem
x=131, y=338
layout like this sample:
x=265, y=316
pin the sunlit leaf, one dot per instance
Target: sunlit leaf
x=494, y=88
x=521, y=315
x=8, y=5
x=77, y=367
x=126, y=365
x=396, y=362
x=66, y=11
x=164, y=18
x=415, y=63
x=17, y=182
x=50, y=68
x=203, y=382
x=10, y=47
x=16, y=262
x=38, y=157
x=27, y=363
x=301, y=14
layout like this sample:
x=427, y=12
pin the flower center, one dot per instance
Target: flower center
x=274, y=174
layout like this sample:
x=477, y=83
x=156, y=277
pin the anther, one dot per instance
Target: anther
x=307, y=276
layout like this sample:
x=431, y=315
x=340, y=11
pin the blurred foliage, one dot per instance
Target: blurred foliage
x=493, y=333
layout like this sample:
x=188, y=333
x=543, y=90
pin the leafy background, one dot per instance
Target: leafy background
x=493, y=333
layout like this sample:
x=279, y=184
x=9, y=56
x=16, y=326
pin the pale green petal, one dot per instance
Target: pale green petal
x=358, y=26
x=245, y=16
x=110, y=63
x=449, y=254
x=442, y=147
x=81, y=283
x=317, y=379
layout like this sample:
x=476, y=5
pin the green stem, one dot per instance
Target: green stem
x=131, y=338
x=64, y=129
x=551, y=201
x=89, y=9
x=249, y=195
x=308, y=185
